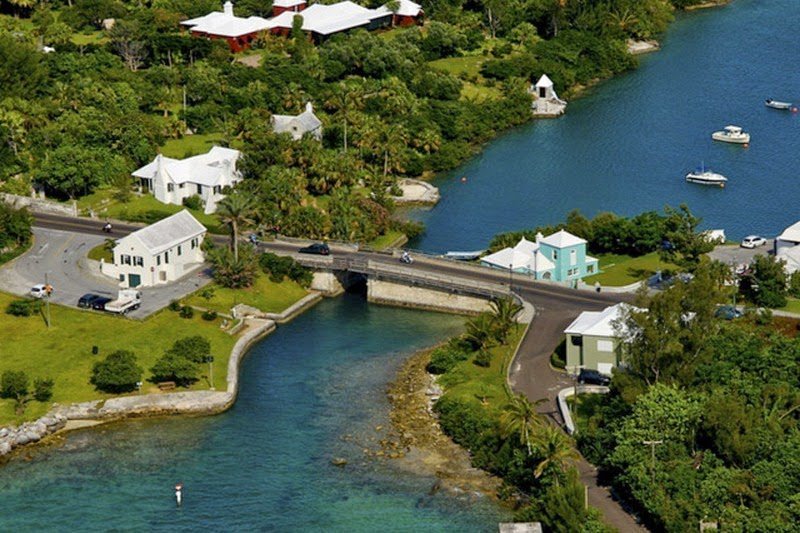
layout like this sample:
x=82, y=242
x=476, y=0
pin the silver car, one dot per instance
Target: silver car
x=753, y=241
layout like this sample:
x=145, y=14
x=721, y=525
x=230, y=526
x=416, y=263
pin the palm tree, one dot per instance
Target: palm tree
x=520, y=417
x=505, y=314
x=480, y=330
x=556, y=450
x=236, y=211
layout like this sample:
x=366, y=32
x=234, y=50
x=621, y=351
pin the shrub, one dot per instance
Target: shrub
x=194, y=348
x=118, y=372
x=444, y=358
x=193, y=202
x=175, y=305
x=22, y=307
x=43, y=389
x=186, y=312
x=209, y=315
x=13, y=384
x=484, y=358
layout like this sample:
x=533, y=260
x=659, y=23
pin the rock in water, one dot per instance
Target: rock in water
x=339, y=461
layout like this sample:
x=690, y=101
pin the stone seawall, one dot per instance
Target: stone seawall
x=188, y=402
x=389, y=293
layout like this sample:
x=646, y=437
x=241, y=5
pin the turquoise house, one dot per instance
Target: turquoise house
x=557, y=257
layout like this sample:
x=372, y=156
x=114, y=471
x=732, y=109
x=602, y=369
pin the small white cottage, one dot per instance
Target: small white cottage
x=159, y=253
x=299, y=125
x=546, y=103
x=206, y=175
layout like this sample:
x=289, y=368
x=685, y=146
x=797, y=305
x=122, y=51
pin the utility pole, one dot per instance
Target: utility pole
x=652, y=444
x=575, y=395
x=511, y=277
x=210, y=361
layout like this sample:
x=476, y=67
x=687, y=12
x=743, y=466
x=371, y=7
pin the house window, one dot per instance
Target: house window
x=122, y=277
x=576, y=340
x=590, y=268
x=217, y=189
x=573, y=257
x=194, y=244
x=166, y=258
x=138, y=261
x=158, y=260
x=180, y=186
x=179, y=249
x=170, y=187
x=199, y=189
x=605, y=346
x=555, y=255
x=126, y=260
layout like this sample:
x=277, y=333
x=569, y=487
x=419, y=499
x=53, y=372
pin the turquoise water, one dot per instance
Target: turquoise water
x=312, y=391
x=627, y=146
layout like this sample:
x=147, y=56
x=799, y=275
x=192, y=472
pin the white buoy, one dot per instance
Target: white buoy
x=178, y=494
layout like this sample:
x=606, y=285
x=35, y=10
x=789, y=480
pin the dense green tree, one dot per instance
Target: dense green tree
x=174, y=367
x=195, y=348
x=766, y=282
x=117, y=373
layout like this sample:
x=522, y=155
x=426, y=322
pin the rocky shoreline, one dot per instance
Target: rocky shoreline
x=417, y=443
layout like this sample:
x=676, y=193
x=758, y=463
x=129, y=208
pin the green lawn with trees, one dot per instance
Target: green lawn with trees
x=618, y=270
x=63, y=352
x=263, y=294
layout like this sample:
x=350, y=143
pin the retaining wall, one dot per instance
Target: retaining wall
x=390, y=293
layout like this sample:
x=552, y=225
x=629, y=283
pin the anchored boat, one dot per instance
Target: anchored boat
x=731, y=134
x=704, y=176
x=775, y=104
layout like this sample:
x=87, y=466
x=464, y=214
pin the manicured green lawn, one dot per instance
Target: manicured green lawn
x=101, y=252
x=468, y=65
x=64, y=352
x=388, y=240
x=190, y=145
x=266, y=295
x=620, y=270
x=95, y=37
x=792, y=306
x=485, y=384
x=140, y=209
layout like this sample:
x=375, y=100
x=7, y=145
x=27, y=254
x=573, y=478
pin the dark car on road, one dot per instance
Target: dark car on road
x=593, y=377
x=100, y=303
x=728, y=312
x=318, y=248
x=86, y=301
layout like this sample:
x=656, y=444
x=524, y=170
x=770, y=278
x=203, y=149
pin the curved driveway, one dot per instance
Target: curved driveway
x=530, y=374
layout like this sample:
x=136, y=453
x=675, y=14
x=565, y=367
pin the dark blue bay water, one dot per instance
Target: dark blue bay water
x=627, y=146
x=312, y=391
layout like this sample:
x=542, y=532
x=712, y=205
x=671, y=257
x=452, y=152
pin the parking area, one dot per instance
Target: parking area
x=60, y=256
x=735, y=255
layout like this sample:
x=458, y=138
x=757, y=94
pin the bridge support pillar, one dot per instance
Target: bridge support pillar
x=392, y=293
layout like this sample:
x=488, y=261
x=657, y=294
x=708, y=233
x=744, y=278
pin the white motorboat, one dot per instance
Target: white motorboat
x=775, y=104
x=704, y=176
x=731, y=134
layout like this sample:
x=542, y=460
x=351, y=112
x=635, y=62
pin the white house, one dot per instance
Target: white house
x=206, y=175
x=324, y=20
x=299, y=125
x=159, y=253
x=593, y=339
x=546, y=102
x=239, y=32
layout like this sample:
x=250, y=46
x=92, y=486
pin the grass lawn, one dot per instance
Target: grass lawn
x=95, y=37
x=266, y=295
x=64, y=352
x=190, y=145
x=484, y=384
x=388, y=240
x=620, y=270
x=792, y=306
x=101, y=252
x=466, y=65
x=144, y=208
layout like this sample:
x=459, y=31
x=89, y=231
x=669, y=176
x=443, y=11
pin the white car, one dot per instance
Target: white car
x=40, y=290
x=753, y=241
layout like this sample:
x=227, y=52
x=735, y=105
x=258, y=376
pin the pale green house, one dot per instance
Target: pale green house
x=593, y=340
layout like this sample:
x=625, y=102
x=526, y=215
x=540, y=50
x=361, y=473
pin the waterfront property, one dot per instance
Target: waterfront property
x=306, y=123
x=593, y=340
x=239, y=32
x=206, y=175
x=787, y=247
x=557, y=257
x=159, y=253
x=546, y=103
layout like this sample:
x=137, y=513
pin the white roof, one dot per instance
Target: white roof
x=791, y=256
x=227, y=24
x=598, y=323
x=791, y=234
x=207, y=169
x=287, y=3
x=562, y=239
x=544, y=81
x=733, y=129
x=307, y=120
x=406, y=8
x=327, y=19
x=525, y=255
x=168, y=232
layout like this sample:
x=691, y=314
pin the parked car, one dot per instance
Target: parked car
x=40, y=290
x=753, y=241
x=100, y=303
x=727, y=312
x=86, y=301
x=318, y=248
x=593, y=377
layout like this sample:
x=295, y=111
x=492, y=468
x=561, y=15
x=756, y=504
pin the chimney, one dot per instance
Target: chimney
x=309, y=107
x=227, y=8
x=539, y=237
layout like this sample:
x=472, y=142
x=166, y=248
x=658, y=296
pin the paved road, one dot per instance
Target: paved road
x=531, y=374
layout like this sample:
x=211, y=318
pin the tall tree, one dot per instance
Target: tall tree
x=236, y=211
x=556, y=450
x=520, y=417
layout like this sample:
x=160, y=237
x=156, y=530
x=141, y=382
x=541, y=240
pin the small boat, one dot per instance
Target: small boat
x=731, y=134
x=704, y=176
x=774, y=104
x=464, y=256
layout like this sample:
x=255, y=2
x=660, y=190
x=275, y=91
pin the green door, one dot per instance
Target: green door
x=134, y=280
